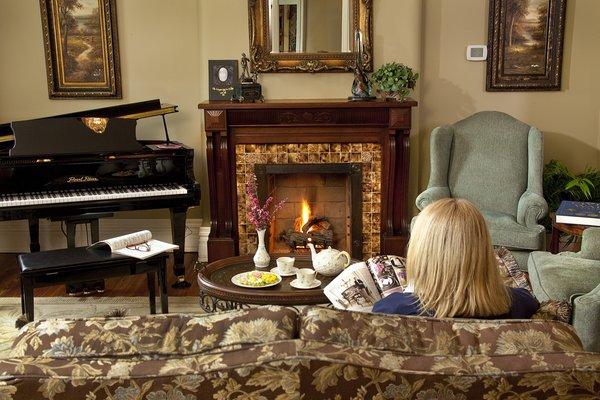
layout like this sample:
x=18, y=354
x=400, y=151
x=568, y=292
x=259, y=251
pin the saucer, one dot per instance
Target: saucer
x=278, y=271
x=296, y=284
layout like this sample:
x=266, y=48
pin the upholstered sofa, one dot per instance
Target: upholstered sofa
x=278, y=353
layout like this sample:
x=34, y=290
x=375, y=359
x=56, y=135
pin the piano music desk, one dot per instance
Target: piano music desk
x=55, y=267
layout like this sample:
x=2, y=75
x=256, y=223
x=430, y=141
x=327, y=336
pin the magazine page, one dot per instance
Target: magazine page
x=353, y=289
x=389, y=274
x=146, y=249
x=121, y=242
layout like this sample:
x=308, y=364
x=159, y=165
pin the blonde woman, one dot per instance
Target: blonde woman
x=451, y=267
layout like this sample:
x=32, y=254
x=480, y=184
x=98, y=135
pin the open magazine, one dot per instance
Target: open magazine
x=139, y=245
x=362, y=284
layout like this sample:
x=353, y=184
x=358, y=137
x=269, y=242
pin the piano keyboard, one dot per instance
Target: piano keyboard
x=92, y=194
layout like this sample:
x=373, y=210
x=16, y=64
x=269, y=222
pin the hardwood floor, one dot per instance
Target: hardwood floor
x=123, y=286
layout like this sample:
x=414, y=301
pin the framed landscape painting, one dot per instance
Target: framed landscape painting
x=81, y=45
x=525, y=42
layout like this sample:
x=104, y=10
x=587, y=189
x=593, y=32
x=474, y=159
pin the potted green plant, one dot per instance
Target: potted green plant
x=394, y=81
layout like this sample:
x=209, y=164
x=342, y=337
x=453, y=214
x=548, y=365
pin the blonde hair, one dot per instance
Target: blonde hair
x=451, y=262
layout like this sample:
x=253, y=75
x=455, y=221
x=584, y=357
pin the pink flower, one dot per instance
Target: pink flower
x=258, y=215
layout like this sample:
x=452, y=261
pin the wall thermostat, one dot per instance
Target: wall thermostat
x=477, y=52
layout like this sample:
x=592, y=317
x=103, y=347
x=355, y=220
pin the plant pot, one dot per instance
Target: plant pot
x=261, y=257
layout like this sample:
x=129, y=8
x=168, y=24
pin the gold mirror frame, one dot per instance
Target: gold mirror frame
x=262, y=60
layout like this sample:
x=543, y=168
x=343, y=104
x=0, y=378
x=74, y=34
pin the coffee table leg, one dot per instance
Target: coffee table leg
x=162, y=286
x=151, y=292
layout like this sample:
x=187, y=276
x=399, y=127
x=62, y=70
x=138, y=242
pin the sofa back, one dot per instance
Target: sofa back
x=335, y=355
x=159, y=335
x=417, y=336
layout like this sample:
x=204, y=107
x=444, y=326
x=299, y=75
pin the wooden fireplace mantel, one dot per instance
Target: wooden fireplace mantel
x=228, y=124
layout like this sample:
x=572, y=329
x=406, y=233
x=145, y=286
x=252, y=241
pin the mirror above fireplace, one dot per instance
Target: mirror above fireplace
x=308, y=35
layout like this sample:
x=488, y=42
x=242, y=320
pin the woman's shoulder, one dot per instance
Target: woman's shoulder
x=398, y=303
x=524, y=305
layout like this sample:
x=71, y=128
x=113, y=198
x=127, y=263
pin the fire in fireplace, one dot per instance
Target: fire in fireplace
x=308, y=228
x=323, y=206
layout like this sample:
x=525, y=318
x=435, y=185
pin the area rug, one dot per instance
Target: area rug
x=81, y=307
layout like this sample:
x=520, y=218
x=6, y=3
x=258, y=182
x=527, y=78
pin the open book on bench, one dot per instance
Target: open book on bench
x=138, y=245
x=362, y=284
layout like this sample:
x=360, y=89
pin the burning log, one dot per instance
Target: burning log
x=296, y=240
x=316, y=230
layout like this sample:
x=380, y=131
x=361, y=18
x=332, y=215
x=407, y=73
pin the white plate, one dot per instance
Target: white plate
x=277, y=271
x=235, y=280
x=296, y=284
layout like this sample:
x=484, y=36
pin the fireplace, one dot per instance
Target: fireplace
x=303, y=145
x=323, y=206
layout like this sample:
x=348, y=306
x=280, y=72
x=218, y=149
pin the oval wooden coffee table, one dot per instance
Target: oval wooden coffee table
x=218, y=293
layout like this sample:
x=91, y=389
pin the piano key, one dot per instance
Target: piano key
x=93, y=194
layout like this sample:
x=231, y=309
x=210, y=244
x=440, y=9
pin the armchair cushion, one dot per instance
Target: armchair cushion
x=506, y=231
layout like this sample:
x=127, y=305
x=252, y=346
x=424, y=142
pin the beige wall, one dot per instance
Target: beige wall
x=165, y=47
x=323, y=25
x=453, y=88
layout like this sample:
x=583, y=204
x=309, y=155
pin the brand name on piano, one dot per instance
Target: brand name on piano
x=82, y=179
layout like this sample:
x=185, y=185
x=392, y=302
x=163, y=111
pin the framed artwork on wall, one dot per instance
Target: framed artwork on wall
x=525, y=43
x=82, y=50
x=222, y=76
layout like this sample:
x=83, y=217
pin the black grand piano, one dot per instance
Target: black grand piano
x=89, y=163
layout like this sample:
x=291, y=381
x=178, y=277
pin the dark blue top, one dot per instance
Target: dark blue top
x=523, y=306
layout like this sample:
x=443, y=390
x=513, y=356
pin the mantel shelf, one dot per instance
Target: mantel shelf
x=305, y=103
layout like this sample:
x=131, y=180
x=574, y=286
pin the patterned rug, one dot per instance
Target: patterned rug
x=81, y=307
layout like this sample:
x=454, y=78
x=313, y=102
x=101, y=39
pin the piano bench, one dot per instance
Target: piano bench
x=79, y=264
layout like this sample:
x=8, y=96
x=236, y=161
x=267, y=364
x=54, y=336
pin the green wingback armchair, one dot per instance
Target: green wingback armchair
x=573, y=277
x=496, y=162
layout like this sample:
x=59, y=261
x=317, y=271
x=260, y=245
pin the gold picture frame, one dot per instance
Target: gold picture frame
x=525, y=43
x=81, y=48
x=263, y=60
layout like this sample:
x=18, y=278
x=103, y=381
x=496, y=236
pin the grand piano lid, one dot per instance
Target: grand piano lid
x=73, y=136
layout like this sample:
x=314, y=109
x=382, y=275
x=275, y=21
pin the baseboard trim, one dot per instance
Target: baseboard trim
x=14, y=235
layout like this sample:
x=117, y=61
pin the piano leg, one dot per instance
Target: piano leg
x=34, y=235
x=178, y=216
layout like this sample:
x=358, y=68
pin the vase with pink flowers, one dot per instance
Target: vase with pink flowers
x=260, y=217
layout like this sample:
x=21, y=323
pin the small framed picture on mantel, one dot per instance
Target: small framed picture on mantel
x=525, y=43
x=222, y=76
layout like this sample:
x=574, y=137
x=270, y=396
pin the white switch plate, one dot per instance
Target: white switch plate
x=477, y=52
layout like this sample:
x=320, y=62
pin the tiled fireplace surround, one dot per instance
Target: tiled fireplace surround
x=368, y=154
x=242, y=135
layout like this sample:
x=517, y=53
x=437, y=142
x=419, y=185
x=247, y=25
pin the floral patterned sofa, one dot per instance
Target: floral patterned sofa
x=278, y=353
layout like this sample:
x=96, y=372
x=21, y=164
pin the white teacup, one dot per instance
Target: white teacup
x=286, y=264
x=306, y=276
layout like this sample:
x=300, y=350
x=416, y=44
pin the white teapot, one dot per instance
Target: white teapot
x=329, y=262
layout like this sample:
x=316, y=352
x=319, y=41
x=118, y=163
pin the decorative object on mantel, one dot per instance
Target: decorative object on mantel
x=361, y=86
x=222, y=76
x=329, y=262
x=260, y=217
x=394, y=81
x=82, y=49
x=248, y=90
x=525, y=42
